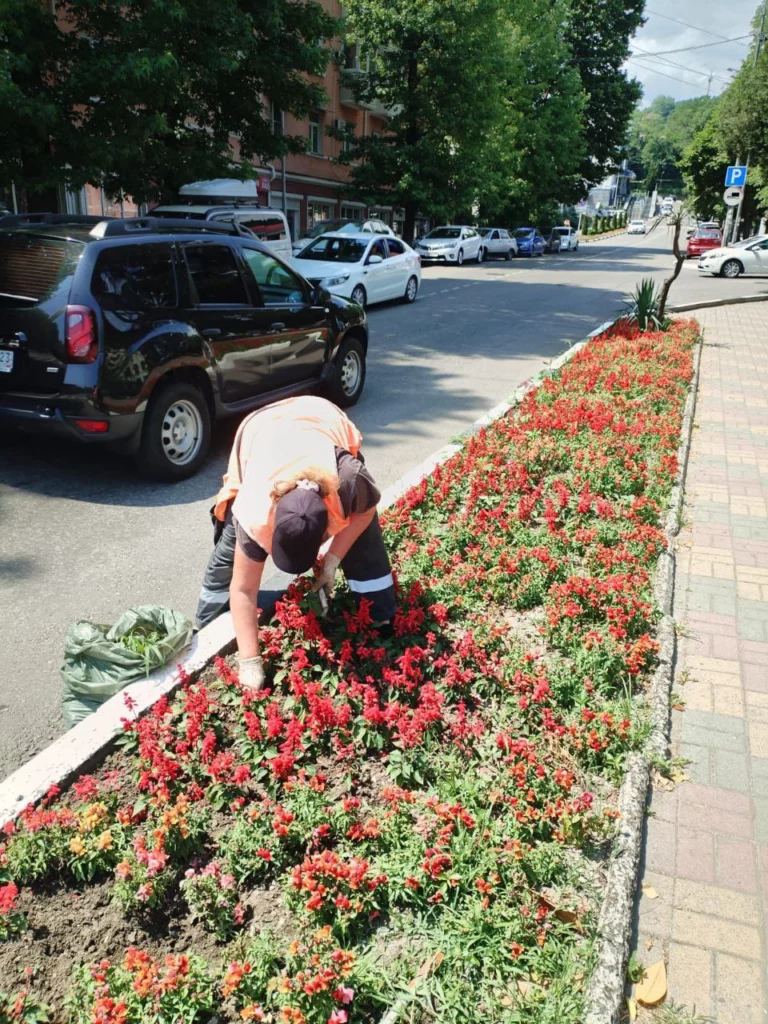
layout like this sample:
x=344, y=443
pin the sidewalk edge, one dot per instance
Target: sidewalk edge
x=71, y=754
x=605, y=993
x=735, y=301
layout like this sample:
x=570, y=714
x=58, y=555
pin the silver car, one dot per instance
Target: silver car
x=498, y=242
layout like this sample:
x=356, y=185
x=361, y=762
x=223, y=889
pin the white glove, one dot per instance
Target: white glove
x=327, y=577
x=252, y=673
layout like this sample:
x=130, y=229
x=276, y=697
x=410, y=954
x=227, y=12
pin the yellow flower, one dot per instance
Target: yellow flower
x=104, y=842
x=77, y=846
x=93, y=815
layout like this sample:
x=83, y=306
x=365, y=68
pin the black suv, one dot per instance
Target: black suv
x=138, y=333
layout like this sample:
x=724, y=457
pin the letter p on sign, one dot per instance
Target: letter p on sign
x=735, y=176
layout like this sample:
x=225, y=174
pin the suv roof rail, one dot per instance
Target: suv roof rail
x=163, y=225
x=112, y=227
x=13, y=220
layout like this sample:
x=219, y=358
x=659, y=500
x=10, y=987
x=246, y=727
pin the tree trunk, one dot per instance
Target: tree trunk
x=679, y=261
x=409, y=228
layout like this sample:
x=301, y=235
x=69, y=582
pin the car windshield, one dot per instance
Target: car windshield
x=445, y=233
x=34, y=269
x=335, y=250
x=707, y=234
x=560, y=231
x=522, y=232
x=349, y=226
x=485, y=231
x=637, y=223
x=749, y=241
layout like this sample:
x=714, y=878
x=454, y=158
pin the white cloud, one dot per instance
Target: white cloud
x=686, y=74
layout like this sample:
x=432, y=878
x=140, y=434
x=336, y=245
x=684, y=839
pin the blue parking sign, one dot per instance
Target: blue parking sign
x=735, y=176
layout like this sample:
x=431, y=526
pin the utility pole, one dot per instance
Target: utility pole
x=758, y=48
x=709, y=82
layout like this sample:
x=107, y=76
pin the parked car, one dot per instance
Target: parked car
x=139, y=333
x=529, y=242
x=636, y=227
x=267, y=225
x=497, y=242
x=451, y=243
x=348, y=227
x=702, y=240
x=551, y=241
x=362, y=267
x=747, y=257
x=569, y=238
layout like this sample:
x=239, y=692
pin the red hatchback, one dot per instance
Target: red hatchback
x=703, y=240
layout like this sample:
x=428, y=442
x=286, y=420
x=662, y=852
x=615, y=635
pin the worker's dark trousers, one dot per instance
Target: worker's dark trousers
x=366, y=567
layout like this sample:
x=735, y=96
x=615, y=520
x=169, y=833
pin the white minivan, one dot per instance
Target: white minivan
x=231, y=200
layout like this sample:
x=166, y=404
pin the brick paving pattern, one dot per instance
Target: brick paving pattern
x=706, y=850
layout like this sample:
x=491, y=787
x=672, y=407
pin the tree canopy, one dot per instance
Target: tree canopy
x=598, y=35
x=493, y=106
x=144, y=95
x=661, y=133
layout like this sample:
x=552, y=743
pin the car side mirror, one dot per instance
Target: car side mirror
x=372, y=260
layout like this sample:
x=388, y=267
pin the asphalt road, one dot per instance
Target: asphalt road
x=82, y=537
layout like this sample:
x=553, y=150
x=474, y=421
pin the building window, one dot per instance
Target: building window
x=278, y=121
x=352, y=213
x=318, y=212
x=349, y=139
x=316, y=133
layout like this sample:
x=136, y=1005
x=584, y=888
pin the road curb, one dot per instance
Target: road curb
x=605, y=992
x=736, y=301
x=71, y=754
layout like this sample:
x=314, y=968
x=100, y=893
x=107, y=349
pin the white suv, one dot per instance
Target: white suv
x=451, y=243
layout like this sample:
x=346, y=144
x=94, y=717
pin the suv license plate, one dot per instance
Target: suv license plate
x=6, y=361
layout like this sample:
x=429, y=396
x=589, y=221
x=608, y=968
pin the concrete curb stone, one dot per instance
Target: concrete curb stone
x=605, y=992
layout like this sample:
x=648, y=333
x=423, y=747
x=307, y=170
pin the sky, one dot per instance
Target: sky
x=685, y=74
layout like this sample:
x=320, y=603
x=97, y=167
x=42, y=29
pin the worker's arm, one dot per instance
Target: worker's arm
x=356, y=527
x=243, y=602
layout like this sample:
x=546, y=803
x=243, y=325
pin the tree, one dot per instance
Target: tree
x=145, y=95
x=598, y=35
x=486, y=108
x=702, y=165
x=437, y=65
x=661, y=133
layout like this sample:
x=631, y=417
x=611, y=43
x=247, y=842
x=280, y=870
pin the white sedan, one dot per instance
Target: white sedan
x=636, y=227
x=747, y=257
x=362, y=268
x=452, y=243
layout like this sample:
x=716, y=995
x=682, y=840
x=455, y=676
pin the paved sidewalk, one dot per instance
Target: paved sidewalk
x=706, y=851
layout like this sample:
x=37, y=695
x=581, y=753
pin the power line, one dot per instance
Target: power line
x=696, y=28
x=663, y=74
x=701, y=46
x=683, y=67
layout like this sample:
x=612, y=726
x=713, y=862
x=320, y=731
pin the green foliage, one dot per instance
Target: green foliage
x=443, y=151
x=643, y=307
x=598, y=35
x=702, y=166
x=661, y=133
x=146, y=95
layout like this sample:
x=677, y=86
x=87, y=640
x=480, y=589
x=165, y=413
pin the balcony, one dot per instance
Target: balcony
x=349, y=98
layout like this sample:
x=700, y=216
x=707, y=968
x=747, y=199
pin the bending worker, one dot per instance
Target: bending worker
x=295, y=478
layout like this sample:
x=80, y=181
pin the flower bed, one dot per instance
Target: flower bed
x=436, y=804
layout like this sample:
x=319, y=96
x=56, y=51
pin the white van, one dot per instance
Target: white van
x=232, y=200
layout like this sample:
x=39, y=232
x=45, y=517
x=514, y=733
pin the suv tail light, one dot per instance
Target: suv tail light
x=80, y=333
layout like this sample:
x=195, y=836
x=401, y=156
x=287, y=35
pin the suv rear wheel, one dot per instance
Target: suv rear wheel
x=349, y=378
x=176, y=433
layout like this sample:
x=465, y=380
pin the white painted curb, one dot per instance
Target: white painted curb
x=71, y=754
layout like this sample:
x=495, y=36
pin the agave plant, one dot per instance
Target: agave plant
x=642, y=307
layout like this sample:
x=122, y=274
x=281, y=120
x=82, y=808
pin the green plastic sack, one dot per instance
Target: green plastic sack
x=96, y=666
